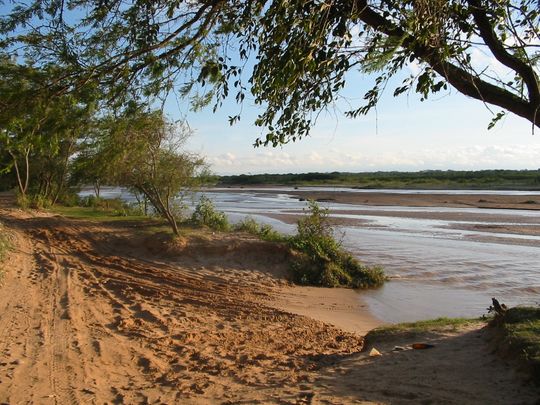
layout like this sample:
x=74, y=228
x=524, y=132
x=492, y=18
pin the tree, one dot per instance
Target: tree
x=39, y=131
x=24, y=116
x=303, y=50
x=144, y=152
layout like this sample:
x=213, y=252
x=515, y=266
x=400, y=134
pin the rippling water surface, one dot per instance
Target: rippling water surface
x=439, y=266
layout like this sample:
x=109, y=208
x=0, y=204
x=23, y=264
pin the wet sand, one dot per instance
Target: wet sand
x=522, y=202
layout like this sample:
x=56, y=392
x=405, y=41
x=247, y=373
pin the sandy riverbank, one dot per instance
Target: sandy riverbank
x=494, y=201
x=115, y=313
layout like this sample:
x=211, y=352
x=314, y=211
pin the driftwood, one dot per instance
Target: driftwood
x=497, y=308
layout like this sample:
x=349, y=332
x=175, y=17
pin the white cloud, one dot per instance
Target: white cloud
x=473, y=157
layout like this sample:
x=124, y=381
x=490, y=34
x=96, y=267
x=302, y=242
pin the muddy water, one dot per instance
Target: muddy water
x=438, y=266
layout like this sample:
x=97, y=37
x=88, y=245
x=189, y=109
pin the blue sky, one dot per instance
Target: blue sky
x=449, y=131
x=446, y=132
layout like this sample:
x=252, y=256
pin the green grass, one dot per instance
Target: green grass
x=94, y=214
x=263, y=231
x=431, y=325
x=148, y=225
x=519, y=331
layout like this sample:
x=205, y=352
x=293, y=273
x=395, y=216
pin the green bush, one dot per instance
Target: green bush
x=23, y=201
x=115, y=206
x=70, y=199
x=263, y=231
x=519, y=336
x=321, y=260
x=249, y=225
x=91, y=201
x=39, y=202
x=205, y=214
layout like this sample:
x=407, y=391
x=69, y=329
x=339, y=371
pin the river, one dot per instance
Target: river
x=437, y=267
x=440, y=260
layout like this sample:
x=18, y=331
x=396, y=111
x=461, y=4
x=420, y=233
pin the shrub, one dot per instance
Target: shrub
x=39, y=201
x=518, y=336
x=249, y=225
x=263, y=231
x=205, y=214
x=23, y=201
x=115, y=206
x=91, y=201
x=320, y=258
x=70, y=199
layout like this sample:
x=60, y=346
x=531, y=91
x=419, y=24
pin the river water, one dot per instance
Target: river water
x=437, y=266
x=440, y=262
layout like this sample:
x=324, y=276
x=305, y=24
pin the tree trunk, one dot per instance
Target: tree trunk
x=27, y=164
x=22, y=189
x=161, y=208
x=97, y=188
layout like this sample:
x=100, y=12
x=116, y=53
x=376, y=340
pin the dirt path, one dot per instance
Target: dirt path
x=93, y=313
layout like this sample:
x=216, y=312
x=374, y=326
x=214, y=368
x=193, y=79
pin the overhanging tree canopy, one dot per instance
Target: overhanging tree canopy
x=302, y=50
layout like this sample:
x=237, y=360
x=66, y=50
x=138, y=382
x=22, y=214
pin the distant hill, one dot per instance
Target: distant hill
x=429, y=179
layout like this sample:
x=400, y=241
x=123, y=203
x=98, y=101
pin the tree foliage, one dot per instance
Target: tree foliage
x=38, y=131
x=144, y=152
x=303, y=51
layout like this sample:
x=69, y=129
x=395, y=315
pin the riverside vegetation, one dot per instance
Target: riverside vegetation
x=518, y=337
x=317, y=257
x=428, y=179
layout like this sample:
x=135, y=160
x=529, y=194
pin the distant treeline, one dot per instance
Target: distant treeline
x=430, y=179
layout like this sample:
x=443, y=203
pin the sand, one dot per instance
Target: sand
x=112, y=313
x=492, y=201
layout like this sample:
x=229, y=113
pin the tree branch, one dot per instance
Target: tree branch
x=465, y=82
x=502, y=55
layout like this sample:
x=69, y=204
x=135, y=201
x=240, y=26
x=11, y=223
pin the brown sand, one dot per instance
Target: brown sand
x=522, y=202
x=95, y=313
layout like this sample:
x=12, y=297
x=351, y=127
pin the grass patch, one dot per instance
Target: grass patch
x=518, y=333
x=263, y=231
x=431, y=325
x=95, y=214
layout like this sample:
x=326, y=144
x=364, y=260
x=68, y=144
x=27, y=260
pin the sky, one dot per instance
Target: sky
x=448, y=131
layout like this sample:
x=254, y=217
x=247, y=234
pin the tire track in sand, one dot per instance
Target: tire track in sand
x=57, y=329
